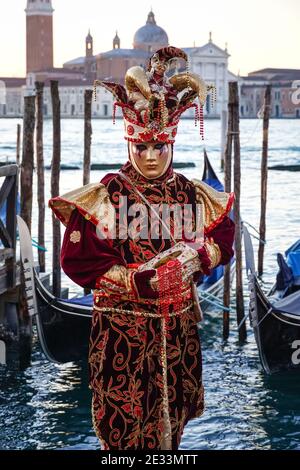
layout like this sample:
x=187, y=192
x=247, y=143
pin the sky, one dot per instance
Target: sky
x=259, y=33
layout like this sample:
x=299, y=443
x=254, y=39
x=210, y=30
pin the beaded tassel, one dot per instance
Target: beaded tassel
x=201, y=123
x=213, y=96
x=197, y=114
x=188, y=73
x=95, y=91
x=114, y=113
x=170, y=288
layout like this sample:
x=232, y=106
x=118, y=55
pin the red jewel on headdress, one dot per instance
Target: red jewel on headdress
x=146, y=136
x=162, y=137
x=174, y=132
x=130, y=130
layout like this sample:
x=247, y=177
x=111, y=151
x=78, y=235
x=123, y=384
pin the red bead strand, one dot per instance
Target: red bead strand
x=201, y=123
x=114, y=113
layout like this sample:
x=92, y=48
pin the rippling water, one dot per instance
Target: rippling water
x=48, y=405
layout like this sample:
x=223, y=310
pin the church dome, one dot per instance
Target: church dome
x=150, y=37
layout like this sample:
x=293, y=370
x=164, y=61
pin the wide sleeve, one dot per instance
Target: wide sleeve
x=219, y=229
x=217, y=249
x=84, y=256
x=223, y=237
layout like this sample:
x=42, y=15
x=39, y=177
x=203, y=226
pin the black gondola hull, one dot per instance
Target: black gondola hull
x=63, y=328
x=277, y=333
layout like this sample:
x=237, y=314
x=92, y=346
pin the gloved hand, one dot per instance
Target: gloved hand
x=204, y=260
x=142, y=282
x=129, y=282
x=209, y=255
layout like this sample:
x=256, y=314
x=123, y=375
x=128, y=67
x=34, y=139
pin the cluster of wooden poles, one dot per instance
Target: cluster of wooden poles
x=233, y=144
x=33, y=116
x=33, y=119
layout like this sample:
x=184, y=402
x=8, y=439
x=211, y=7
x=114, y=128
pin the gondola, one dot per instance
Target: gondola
x=295, y=167
x=275, y=316
x=63, y=325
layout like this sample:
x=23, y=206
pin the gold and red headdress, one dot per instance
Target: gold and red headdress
x=152, y=101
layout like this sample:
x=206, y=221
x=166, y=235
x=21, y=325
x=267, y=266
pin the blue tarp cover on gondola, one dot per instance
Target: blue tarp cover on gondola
x=86, y=300
x=293, y=260
x=290, y=304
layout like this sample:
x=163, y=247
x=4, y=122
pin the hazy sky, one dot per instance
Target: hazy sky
x=259, y=33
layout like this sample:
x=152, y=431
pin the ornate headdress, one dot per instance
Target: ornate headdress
x=152, y=101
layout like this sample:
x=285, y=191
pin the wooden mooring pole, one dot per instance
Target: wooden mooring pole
x=227, y=186
x=224, y=137
x=235, y=131
x=55, y=172
x=27, y=159
x=264, y=180
x=18, y=144
x=233, y=141
x=88, y=95
x=25, y=322
x=40, y=173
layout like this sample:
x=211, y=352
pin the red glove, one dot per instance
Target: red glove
x=122, y=281
x=205, y=264
x=142, y=283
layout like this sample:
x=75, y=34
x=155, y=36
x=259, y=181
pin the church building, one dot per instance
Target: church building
x=209, y=60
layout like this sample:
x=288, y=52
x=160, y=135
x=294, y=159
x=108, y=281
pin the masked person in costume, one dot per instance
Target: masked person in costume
x=145, y=354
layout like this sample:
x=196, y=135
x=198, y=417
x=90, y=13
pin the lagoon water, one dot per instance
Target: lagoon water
x=48, y=405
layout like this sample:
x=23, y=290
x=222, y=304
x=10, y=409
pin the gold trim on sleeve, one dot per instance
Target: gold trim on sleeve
x=214, y=253
x=92, y=200
x=216, y=204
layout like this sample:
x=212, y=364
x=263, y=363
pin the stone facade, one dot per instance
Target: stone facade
x=210, y=61
x=285, y=93
x=12, y=92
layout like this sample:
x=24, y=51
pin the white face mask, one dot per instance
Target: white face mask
x=150, y=159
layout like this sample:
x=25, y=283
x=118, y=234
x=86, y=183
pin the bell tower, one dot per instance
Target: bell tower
x=89, y=58
x=116, y=41
x=39, y=35
x=89, y=45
